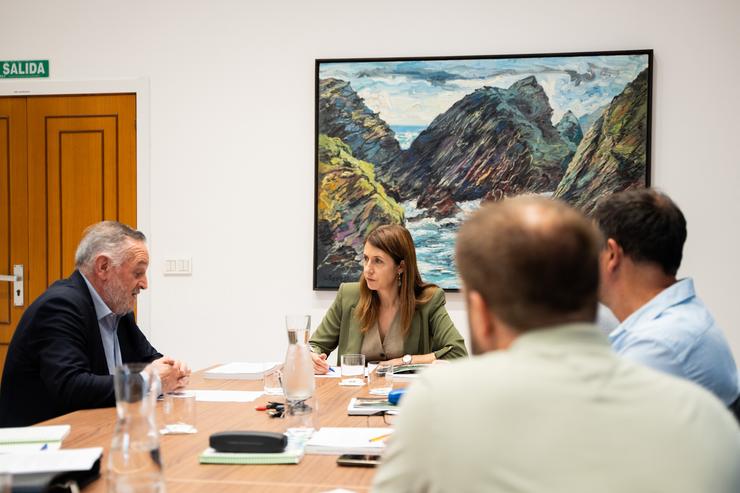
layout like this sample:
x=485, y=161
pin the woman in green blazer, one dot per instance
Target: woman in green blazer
x=390, y=314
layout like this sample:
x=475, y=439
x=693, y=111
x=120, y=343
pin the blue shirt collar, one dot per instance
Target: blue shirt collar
x=673, y=295
x=101, y=309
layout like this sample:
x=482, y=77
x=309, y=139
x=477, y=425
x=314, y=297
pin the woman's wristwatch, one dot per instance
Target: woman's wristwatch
x=406, y=359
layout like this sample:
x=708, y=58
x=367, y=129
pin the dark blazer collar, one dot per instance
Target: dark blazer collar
x=97, y=356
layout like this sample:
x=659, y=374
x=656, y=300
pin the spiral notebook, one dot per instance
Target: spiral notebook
x=292, y=454
x=32, y=438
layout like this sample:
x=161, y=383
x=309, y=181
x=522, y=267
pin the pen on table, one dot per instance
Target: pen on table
x=271, y=405
x=45, y=446
x=381, y=437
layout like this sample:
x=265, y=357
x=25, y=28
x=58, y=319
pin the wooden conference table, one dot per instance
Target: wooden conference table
x=183, y=473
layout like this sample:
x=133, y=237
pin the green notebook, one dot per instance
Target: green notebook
x=32, y=438
x=292, y=454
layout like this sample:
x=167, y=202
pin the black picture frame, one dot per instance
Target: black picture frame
x=467, y=139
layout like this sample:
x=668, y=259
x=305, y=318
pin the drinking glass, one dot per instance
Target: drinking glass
x=179, y=413
x=272, y=381
x=353, y=369
x=301, y=417
x=380, y=379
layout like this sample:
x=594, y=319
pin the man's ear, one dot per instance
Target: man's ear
x=614, y=255
x=482, y=326
x=102, y=266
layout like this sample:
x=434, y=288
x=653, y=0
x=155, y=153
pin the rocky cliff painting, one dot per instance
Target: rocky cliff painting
x=423, y=142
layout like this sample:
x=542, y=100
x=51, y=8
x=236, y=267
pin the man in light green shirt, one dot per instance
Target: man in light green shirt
x=546, y=406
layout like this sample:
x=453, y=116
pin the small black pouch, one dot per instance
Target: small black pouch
x=248, y=442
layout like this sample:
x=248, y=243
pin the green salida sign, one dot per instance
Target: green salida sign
x=24, y=69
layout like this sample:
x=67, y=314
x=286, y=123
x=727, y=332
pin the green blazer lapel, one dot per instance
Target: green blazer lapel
x=354, y=334
x=412, y=343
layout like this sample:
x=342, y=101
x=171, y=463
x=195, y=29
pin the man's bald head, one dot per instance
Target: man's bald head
x=533, y=260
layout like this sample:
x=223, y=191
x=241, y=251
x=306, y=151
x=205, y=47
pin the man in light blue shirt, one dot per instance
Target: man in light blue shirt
x=664, y=324
x=545, y=405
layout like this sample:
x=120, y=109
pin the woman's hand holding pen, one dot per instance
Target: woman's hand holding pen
x=320, y=365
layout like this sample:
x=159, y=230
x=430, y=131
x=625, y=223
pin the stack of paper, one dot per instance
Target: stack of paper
x=292, y=454
x=75, y=459
x=241, y=371
x=338, y=441
x=369, y=406
x=32, y=438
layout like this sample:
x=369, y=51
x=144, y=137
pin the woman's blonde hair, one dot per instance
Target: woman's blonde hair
x=396, y=241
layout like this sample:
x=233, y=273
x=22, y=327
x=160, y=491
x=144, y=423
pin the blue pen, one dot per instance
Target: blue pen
x=45, y=446
x=332, y=369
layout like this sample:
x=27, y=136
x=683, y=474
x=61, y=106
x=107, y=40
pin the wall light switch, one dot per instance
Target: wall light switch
x=180, y=266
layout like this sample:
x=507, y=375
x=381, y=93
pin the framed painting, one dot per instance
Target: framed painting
x=424, y=141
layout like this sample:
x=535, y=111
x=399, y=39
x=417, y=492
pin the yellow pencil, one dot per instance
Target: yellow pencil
x=381, y=437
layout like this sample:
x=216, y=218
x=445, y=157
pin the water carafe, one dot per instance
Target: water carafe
x=134, y=462
x=301, y=406
x=298, y=379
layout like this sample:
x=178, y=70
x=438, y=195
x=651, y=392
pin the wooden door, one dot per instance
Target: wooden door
x=13, y=210
x=80, y=163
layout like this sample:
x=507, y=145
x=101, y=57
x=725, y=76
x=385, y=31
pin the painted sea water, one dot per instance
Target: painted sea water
x=434, y=239
x=435, y=242
x=405, y=134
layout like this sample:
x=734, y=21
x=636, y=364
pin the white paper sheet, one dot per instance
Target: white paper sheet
x=338, y=441
x=241, y=370
x=80, y=459
x=227, y=395
x=335, y=372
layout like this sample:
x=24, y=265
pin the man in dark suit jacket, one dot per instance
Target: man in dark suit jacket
x=69, y=341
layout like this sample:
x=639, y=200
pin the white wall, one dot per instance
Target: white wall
x=231, y=135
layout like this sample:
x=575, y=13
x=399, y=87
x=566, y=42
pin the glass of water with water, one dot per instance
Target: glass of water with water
x=353, y=369
x=179, y=413
x=380, y=379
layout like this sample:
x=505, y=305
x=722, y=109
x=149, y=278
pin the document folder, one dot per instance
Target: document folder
x=56, y=481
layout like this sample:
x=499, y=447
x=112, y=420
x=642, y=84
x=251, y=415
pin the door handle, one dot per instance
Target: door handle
x=17, y=280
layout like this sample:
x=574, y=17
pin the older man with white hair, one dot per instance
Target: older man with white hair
x=70, y=340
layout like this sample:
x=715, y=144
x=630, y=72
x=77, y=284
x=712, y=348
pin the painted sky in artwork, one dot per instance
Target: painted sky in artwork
x=415, y=92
